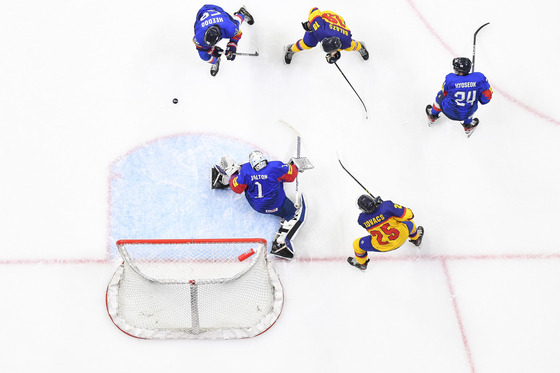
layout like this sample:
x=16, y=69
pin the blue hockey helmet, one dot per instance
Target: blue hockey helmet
x=212, y=36
x=331, y=44
x=461, y=65
x=368, y=204
x=258, y=160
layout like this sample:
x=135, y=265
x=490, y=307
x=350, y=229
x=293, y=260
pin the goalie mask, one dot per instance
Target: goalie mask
x=368, y=204
x=257, y=160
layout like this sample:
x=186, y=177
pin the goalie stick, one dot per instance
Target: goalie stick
x=474, y=43
x=301, y=162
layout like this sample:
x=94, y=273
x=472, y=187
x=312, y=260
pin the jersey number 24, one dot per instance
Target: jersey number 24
x=461, y=97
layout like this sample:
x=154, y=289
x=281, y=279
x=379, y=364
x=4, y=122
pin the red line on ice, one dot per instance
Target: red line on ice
x=458, y=315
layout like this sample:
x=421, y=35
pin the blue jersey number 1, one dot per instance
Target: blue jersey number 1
x=259, y=189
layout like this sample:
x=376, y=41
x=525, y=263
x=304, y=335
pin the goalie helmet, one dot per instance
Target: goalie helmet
x=331, y=44
x=461, y=65
x=212, y=36
x=258, y=160
x=368, y=204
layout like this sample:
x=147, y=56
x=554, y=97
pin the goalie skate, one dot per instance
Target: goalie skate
x=282, y=250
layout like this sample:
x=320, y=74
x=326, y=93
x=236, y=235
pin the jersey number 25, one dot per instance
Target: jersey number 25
x=391, y=234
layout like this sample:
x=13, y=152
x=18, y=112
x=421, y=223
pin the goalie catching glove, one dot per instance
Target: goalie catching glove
x=222, y=172
x=302, y=163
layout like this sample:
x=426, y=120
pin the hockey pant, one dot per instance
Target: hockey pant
x=364, y=244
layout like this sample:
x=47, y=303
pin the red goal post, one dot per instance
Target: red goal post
x=194, y=288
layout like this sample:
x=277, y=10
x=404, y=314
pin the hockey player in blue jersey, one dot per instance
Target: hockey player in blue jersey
x=460, y=94
x=389, y=226
x=329, y=29
x=262, y=182
x=213, y=24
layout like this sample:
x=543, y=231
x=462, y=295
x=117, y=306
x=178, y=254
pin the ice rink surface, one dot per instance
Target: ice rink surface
x=93, y=150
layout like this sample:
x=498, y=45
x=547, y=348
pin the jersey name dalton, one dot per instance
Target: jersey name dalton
x=259, y=177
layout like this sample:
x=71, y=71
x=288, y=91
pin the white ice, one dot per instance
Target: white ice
x=86, y=84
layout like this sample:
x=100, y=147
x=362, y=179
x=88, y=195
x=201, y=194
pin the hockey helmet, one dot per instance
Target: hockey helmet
x=331, y=44
x=461, y=65
x=258, y=160
x=212, y=36
x=368, y=204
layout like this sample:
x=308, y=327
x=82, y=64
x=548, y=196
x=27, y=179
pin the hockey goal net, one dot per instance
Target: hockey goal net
x=197, y=289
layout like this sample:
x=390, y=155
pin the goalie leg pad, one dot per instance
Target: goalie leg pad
x=288, y=230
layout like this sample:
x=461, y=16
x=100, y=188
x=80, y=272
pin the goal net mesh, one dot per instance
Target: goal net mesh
x=199, y=289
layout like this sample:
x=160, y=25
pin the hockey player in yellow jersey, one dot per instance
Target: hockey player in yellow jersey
x=329, y=29
x=389, y=226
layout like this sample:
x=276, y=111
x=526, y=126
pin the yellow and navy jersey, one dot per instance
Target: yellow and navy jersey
x=328, y=24
x=386, y=226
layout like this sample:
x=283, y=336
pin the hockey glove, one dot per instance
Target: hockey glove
x=215, y=51
x=231, y=50
x=333, y=58
x=306, y=26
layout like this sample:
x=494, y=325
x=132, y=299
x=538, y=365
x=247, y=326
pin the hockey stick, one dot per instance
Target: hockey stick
x=352, y=176
x=352, y=89
x=298, y=153
x=246, y=54
x=474, y=43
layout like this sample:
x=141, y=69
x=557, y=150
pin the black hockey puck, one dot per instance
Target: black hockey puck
x=175, y=100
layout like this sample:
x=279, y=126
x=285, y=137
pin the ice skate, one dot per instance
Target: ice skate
x=248, y=17
x=353, y=262
x=281, y=250
x=363, y=51
x=432, y=118
x=469, y=128
x=418, y=241
x=288, y=54
x=215, y=68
